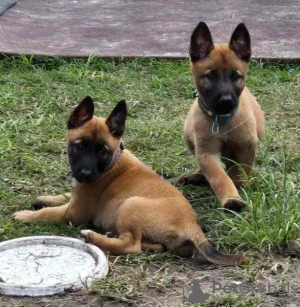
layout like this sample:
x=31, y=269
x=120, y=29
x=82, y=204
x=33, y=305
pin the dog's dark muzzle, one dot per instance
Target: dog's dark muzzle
x=225, y=105
x=86, y=176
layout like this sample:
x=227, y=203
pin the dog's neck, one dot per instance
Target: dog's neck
x=116, y=156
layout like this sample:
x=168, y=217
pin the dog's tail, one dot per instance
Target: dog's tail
x=204, y=248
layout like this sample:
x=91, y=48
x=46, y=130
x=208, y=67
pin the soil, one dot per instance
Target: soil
x=275, y=271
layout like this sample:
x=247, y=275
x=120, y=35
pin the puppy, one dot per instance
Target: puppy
x=118, y=193
x=225, y=122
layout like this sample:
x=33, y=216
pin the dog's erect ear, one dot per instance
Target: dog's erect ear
x=82, y=113
x=240, y=42
x=201, y=42
x=116, y=119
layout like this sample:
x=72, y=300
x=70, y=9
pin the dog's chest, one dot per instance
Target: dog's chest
x=230, y=133
x=105, y=220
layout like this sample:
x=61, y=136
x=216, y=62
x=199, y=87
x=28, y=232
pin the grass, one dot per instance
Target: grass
x=37, y=95
x=131, y=275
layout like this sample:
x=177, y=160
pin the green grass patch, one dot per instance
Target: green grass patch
x=38, y=94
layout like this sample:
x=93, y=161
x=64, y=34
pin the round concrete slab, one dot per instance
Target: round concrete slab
x=47, y=265
x=158, y=28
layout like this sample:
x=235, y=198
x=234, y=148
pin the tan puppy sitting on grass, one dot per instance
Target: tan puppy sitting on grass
x=118, y=193
x=225, y=122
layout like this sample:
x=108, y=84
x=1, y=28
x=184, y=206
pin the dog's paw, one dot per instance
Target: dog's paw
x=236, y=205
x=25, y=216
x=195, y=179
x=37, y=206
x=40, y=203
x=86, y=235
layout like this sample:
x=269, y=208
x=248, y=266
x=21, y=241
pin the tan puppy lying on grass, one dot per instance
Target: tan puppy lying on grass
x=118, y=193
x=225, y=123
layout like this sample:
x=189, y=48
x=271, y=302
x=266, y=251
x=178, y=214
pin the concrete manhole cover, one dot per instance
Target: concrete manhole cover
x=47, y=265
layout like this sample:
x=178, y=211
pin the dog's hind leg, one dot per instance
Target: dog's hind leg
x=125, y=244
x=132, y=218
x=51, y=201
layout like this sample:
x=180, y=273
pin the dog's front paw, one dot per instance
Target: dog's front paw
x=234, y=204
x=41, y=202
x=25, y=216
x=87, y=235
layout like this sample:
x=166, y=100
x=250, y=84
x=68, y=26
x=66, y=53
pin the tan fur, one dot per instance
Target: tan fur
x=240, y=137
x=129, y=199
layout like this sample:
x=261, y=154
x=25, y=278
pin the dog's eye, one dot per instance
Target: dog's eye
x=209, y=76
x=79, y=147
x=101, y=150
x=235, y=75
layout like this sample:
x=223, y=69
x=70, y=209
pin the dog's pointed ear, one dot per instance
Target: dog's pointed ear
x=240, y=42
x=116, y=120
x=82, y=113
x=201, y=42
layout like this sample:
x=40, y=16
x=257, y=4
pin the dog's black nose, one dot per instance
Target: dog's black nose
x=86, y=174
x=225, y=104
x=226, y=99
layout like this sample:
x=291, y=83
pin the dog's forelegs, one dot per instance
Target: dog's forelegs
x=52, y=201
x=58, y=215
x=220, y=182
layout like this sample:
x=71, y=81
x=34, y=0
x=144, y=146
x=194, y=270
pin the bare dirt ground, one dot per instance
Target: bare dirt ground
x=173, y=278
